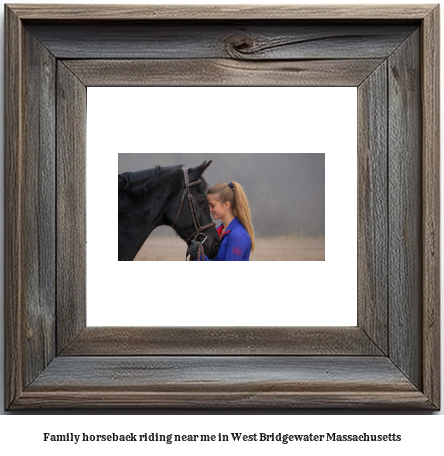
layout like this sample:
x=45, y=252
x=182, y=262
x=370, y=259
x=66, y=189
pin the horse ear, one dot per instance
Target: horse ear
x=196, y=172
x=122, y=182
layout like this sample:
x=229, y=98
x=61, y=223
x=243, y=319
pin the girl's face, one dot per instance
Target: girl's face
x=217, y=209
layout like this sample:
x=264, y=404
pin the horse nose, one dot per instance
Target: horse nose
x=215, y=250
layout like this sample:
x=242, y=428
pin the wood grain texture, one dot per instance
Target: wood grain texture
x=233, y=382
x=430, y=94
x=225, y=12
x=13, y=208
x=30, y=209
x=407, y=378
x=236, y=40
x=220, y=72
x=372, y=207
x=71, y=206
x=284, y=401
x=210, y=373
x=405, y=209
x=38, y=221
x=127, y=341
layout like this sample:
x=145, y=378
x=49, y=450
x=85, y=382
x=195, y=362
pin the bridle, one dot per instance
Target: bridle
x=196, y=223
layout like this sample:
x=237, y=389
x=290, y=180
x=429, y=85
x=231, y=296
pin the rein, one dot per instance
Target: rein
x=192, y=205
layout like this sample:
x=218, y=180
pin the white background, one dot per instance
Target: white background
x=23, y=434
x=279, y=293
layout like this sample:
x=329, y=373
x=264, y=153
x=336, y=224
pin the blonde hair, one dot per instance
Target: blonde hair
x=238, y=201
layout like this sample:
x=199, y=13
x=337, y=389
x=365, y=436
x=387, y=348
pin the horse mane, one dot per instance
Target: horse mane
x=138, y=182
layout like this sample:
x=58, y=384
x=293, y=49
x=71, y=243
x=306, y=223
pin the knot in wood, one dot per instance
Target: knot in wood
x=237, y=46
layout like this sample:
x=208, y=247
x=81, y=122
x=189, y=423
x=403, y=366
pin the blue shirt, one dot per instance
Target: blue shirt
x=235, y=243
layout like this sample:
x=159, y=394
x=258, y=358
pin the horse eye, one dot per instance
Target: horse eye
x=202, y=201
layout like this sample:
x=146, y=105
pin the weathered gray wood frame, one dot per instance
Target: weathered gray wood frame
x=390, y=360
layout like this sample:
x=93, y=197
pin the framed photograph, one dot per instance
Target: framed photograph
x=389, y=359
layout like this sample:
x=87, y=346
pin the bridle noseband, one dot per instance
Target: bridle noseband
x=196, y=223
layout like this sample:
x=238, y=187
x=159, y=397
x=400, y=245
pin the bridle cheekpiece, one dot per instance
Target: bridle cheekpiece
x=192, y=204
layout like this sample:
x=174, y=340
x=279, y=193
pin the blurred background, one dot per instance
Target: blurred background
x=286, y=194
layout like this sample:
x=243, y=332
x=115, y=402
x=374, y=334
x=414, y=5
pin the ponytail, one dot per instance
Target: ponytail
x=234, y=194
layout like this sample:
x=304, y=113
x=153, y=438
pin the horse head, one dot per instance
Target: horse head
x=180, y=216
x=152, y=197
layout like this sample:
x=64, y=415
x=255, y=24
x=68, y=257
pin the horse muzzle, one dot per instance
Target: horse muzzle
x=215, y=250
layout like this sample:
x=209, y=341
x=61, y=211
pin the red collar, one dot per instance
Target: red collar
x=219, y=231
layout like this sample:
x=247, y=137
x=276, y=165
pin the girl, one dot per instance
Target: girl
x=228, y=203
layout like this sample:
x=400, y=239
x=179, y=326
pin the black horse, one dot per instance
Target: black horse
x=150, y=198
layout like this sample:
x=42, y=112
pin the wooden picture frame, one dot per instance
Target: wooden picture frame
x=390, y=360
